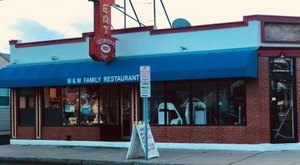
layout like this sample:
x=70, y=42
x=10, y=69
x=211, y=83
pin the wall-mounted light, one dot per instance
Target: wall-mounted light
x=54, y=58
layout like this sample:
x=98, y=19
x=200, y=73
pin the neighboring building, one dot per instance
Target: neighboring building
x=224, y=83
x=4, y=100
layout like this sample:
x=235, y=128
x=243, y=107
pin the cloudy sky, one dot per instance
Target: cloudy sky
x=38, y=20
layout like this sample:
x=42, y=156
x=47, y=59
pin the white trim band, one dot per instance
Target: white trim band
x=202, y=146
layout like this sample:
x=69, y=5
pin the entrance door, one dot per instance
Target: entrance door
x=282, y=99
x=127, y=110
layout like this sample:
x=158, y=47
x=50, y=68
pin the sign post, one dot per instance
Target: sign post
x=145, y=91
x=141, y=130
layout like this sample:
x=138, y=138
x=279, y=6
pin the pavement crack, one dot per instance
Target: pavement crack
x=248, y=157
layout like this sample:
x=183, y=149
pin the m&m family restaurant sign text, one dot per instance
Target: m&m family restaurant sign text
x=103, y=79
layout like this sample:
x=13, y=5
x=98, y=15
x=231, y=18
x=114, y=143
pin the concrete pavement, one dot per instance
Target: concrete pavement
x=100, y=155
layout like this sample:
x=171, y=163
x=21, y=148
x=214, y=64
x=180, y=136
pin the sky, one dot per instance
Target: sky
x=40, y=20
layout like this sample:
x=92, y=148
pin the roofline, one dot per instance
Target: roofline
x=152, y=31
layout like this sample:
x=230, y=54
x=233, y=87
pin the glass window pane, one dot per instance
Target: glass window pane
x=156, y=113
x=89, y=106
x=52, y=106
x=204, y=104
x=238, y=101
x=70, y=106
x=177, y=95
x=113, y=106
x=26, y=100
x=4, y=101
x=232, y=102
x=224, y=110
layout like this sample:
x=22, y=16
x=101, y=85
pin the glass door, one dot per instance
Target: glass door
x=282, y=108
x=282, y=100
x=126, y=111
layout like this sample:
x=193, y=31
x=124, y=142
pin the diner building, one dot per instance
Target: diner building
x=227, y=83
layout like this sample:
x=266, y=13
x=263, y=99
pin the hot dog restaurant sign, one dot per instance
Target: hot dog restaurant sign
x=103, y=79
x=102, y=45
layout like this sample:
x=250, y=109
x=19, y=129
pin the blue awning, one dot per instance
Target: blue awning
x=241, y=63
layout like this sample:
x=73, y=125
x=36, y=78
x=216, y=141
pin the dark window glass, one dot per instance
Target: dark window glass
x=52, y=106
x=177, y=95
x=156, y=104
x=282, y=99
x=232, y=102
x=26, y=107
x=114, y=106
x=204, y=106
x=4, y=101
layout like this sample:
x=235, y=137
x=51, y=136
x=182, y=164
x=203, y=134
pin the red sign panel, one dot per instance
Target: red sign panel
x=102, y=45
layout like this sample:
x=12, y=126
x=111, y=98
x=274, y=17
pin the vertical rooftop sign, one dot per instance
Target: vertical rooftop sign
x=102, y=45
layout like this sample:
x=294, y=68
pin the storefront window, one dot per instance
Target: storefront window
x=71, y=106
x=232, y=102
x=204, y=106
x=52, y=106
x=89, y=106
x=84, y=106
x=26, y=106
x=198, y=103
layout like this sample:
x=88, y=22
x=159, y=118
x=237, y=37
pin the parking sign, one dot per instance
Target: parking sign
x=145, y=78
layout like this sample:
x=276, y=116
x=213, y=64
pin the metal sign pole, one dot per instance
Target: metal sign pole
x=145, y=91
x=145, y=107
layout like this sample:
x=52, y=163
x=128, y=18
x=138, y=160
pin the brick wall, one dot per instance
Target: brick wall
x=26, y=133
x=70, y=133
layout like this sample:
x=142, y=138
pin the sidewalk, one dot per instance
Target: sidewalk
x=99, y=155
